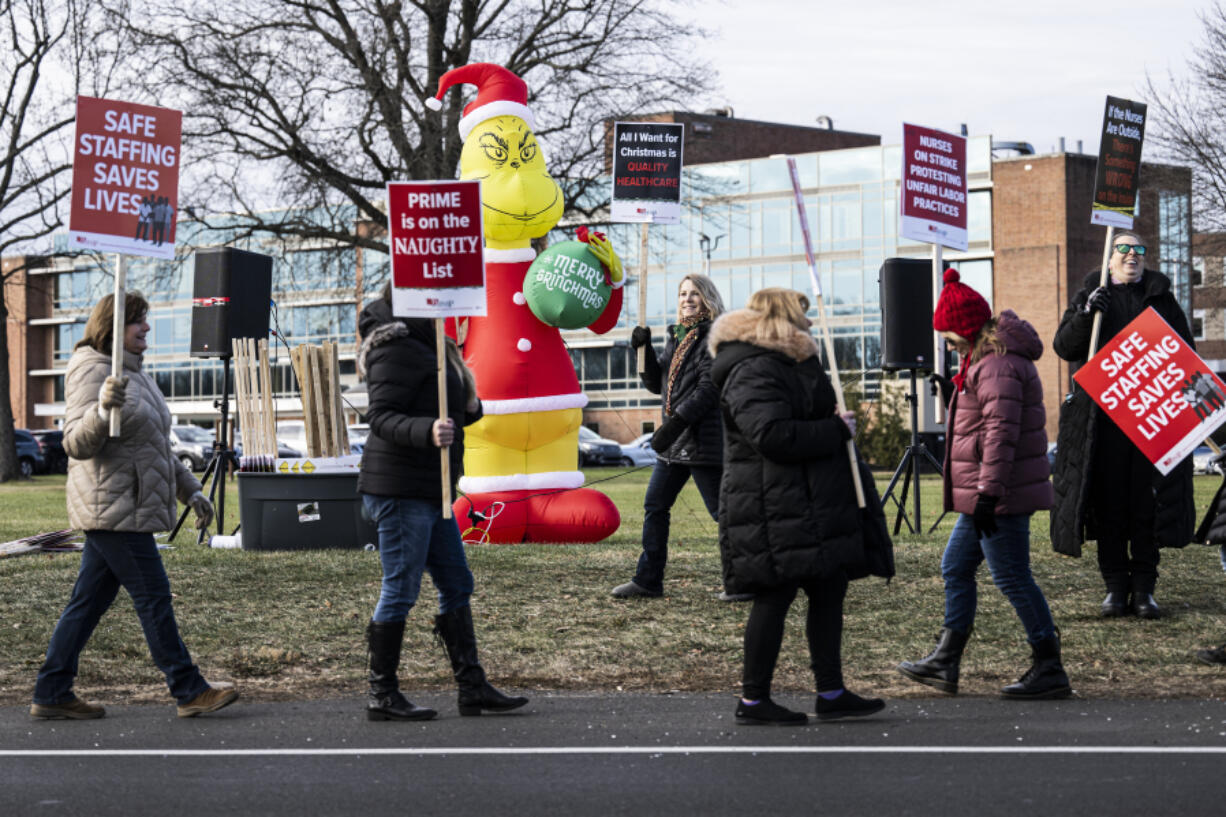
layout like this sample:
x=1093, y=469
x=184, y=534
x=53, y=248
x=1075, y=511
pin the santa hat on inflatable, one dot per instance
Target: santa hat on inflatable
x=960, y=309
x=499, y=93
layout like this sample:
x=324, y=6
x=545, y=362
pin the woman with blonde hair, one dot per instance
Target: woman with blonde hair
x=689, y=441
x=996, y=477
x=788, y=514
x=120, y=491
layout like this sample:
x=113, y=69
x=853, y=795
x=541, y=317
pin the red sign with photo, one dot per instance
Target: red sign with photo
x=125, y=178
x=1156, y=389
x=436, y=242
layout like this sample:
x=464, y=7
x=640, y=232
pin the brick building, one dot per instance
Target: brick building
x=1209, y=298
x=27, y=301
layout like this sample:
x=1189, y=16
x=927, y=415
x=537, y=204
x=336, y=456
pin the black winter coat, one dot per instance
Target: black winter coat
x=787, y=505
x=399, y=360
x=1072, y=521
x=695, y=399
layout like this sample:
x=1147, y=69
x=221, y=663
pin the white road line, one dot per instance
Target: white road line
x=456, y=751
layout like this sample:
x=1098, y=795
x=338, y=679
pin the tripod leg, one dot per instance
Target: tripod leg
x=908, y=462
x=218, y=468
x=208, y=469
x=889, y=489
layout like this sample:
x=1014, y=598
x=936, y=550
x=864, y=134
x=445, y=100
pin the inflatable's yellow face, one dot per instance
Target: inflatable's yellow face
x=521, y=199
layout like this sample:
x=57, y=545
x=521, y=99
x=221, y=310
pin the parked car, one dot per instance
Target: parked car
x=596, y=450
x=29, y=453
x=193, y=445
x=55, y=458
x=293, y=434
x=638, y=452
x=1202, y=461
x=1051, y=454
x=358, y=432
x=284, y=449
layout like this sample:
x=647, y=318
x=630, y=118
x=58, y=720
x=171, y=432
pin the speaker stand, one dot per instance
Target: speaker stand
x=909, y=469
x=219, y=464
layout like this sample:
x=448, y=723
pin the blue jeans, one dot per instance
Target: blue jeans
x=667, y=480
x=1008, y=555
x=414, y=536
x=110, y=560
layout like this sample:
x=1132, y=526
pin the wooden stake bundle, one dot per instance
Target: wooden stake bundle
x=318, y=371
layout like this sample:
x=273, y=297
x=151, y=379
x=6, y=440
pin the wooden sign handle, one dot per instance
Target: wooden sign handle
x=118, y=325
x=444, y=452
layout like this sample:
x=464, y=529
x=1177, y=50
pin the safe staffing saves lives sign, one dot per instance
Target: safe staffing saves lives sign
x=1156, y=389
x=125, y=178
x=435, y=232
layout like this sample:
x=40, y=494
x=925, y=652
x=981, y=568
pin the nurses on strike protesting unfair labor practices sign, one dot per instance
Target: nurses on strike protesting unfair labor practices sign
x=438, y=267
x=1156, y=389
x=125, y=178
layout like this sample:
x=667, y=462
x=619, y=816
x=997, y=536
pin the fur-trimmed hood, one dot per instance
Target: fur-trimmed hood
x=379, y=327
x=742, y=325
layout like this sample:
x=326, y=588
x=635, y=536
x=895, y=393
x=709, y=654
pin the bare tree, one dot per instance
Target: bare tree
x=298, y=112
x=49, y=53
x=1188, y=118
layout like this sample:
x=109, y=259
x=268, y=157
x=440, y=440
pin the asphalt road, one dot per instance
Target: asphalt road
x=575, y=754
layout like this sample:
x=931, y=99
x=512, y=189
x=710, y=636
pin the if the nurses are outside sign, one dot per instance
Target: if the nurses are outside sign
x=437, y=254
x=1156, y=389
x=647, y=162
x=125, y=178
x=1119, y=164
x=934, y=187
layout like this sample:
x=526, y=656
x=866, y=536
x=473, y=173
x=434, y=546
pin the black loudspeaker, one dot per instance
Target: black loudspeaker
x=231, y=297
x=906, y=314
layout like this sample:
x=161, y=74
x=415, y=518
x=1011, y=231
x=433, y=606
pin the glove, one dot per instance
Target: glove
x=1098, y=301
x=640, y=336
x=203, y=509
x=667, y=434
x=603, y=250
x=946, y=386
x=984, y=517
x=849, y=420
x=111, y=392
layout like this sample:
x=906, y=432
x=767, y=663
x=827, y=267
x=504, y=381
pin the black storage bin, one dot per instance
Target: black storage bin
x=303, y=512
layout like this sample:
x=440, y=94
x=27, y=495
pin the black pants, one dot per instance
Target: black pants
x=1122, y=495
x=667, y=480
x=823, y=628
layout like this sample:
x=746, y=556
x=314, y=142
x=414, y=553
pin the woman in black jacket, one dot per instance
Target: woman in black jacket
x=401, y=487
x=788, y=517
x=689, y=441
x=1105, y=488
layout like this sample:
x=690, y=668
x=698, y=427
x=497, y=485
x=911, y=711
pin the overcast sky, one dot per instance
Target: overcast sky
x=1020, y=70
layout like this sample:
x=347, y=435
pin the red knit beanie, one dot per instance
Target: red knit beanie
x=960, y=309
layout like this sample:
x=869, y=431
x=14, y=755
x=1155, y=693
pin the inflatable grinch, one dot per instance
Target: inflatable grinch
x=521, y=478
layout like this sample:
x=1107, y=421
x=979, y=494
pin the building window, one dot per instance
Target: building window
x=1198, y=271
x=1198, y=324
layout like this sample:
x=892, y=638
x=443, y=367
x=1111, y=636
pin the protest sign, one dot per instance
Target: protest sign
x=1156, y=389
x=435, y=232
x=933, y=194
x=125, y=178
x=647, y=161
x=1119, y=163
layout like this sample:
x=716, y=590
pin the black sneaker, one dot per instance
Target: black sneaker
x=847, y=705
x=631, y=590
x=768, y=713
x=1215, y=656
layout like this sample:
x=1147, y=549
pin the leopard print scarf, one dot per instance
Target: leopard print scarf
x=686, y=337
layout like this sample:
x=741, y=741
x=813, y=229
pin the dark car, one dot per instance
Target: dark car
x=52, y=442
x=29, y=453
x=193, y=445
x=596, y=450
x=284, y=450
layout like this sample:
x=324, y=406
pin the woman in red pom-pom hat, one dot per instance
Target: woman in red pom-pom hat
x=996, y=477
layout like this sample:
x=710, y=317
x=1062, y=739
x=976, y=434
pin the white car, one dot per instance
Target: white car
x=638, y=452
x=1202, y=461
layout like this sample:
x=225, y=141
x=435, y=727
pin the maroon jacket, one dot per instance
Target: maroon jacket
x=998, y=439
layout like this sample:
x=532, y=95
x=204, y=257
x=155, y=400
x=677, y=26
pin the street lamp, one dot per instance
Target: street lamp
x=707, y=246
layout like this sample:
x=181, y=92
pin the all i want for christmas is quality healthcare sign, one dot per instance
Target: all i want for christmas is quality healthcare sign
x=1156, y=389
x=438, y=261
x=125, y=178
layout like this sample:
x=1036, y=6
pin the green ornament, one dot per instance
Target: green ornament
x=566, y=286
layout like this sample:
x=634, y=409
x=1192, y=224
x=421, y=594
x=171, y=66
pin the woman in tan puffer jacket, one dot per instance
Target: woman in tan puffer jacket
x=121, y=490
x=996, y=477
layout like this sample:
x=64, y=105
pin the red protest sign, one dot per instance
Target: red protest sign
x=435, y=232
x=125, y=178
x=1156, y=389
x=933, y=183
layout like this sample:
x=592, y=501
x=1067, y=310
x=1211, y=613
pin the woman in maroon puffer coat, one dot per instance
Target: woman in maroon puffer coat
x=996, y=477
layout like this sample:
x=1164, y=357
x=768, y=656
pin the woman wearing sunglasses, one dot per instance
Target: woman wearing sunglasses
x=1106, y=489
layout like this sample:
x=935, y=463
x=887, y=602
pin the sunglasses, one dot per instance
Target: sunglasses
x=1123, y=249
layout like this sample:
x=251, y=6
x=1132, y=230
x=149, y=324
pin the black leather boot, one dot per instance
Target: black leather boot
x=1046, y=678
x=385, y=703
x=940, y=669
x=1115, y=605
x=455, y=630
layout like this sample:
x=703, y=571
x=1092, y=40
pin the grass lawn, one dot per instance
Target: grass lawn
x=290, y=624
